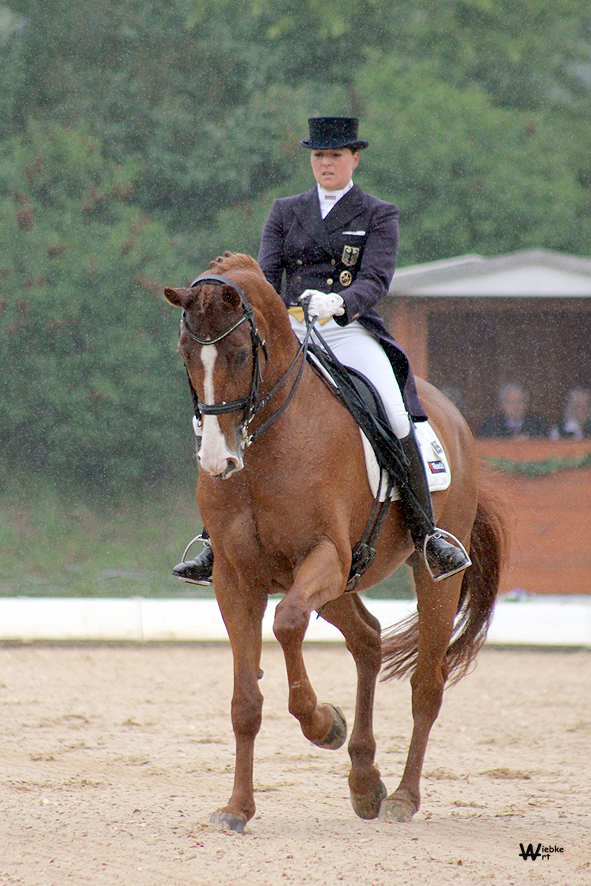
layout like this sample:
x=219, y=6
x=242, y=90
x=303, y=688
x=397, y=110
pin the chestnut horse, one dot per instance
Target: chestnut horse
x=283, y=515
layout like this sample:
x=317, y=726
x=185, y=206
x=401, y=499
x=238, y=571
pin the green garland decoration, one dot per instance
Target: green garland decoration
x=550, y=465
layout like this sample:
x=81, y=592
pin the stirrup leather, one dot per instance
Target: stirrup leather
x=447, y=536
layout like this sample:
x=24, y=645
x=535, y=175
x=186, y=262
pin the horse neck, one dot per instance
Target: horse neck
x=283, y=348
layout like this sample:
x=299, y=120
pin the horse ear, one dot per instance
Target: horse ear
x=231, y=297
x=179, y=298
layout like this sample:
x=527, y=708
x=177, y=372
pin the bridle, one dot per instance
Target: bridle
x=251, y=404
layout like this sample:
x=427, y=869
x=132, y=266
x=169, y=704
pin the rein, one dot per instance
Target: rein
x=251, y=404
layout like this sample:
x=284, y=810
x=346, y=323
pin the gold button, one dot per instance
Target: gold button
x=299, y=261
x=332, y=261
x=329, y=281
x=298, y=279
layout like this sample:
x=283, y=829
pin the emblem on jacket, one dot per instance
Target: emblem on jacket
x=345, y=278
x=350, y=255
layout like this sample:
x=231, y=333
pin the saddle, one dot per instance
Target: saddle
x=365, y=405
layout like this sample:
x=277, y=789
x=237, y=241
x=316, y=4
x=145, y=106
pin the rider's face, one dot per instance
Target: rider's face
x=333, y=169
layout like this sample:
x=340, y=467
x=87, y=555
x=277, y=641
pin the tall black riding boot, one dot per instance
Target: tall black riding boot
x=198, y=571
x=443, y=558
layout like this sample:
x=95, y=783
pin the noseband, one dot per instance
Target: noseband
x=251, y=404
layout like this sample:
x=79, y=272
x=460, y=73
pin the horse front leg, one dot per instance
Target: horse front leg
x=243, y=617
x=361, y=631
x=320, y=578
x=437, y=606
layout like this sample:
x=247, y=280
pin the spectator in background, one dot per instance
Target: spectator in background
x=576, y=422
x=514, y=420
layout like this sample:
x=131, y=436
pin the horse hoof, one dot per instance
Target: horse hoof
x=227, y=821
x=396, y=809
x=367, y=806
x=337, y=734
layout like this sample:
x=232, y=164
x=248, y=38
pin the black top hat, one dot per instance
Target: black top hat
x=330, y=133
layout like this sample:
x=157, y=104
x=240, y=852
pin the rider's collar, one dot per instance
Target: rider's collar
x=328, y=199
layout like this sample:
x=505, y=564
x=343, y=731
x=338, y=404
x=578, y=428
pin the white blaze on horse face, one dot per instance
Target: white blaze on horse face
x=214, y=454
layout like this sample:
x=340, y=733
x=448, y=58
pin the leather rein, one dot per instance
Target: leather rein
x=251, y=405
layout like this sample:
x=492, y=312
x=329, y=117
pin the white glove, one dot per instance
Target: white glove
x=323, y=305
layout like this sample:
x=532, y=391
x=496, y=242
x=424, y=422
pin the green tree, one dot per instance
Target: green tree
x=91, y=386
x=139, y=140
x=480, y=178
x=210, y=97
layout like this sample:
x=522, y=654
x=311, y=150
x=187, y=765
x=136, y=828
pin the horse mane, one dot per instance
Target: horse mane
x=259, y=291
x=234, y=261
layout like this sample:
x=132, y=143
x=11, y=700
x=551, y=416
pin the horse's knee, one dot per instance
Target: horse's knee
x=247, y=713
x=290, y=623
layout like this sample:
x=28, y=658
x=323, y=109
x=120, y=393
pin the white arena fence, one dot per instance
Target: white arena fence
x=559, y=621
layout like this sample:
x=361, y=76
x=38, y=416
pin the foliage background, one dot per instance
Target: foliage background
x=140, y=139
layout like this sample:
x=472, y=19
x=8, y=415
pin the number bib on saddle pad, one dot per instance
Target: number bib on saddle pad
x=436, y=464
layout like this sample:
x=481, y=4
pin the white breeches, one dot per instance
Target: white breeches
x=355, y=347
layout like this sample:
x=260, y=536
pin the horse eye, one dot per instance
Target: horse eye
x=238, y=359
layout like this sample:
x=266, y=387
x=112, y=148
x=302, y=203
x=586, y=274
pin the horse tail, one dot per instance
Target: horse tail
x=489, y=543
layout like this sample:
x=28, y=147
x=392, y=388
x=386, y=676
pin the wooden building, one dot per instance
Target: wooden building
x=475, y=323
x=471, y=324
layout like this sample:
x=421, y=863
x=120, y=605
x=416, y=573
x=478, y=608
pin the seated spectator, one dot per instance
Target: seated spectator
x=576, y=422
x=514, y=420
x=455, y=395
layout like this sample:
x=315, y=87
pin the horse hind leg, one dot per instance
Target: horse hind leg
x=361, y=631
x=432, y=636
x=424, y=644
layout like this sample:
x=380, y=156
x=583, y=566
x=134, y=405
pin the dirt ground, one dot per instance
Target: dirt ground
x=113, y=758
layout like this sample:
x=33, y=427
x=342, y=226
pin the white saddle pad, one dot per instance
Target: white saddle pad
x=436, y=464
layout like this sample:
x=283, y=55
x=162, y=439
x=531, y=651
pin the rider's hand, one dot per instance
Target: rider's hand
x=323, y=305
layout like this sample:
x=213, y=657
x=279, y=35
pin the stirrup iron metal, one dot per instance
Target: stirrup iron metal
x=203, y=539
x=447, y=536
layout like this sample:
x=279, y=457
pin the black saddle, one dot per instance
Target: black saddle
x=365, y=405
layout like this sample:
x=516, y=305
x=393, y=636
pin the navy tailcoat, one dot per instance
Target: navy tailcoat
x=352, y=252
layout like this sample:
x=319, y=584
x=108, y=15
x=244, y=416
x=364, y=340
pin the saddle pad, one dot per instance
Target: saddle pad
x=434, y=458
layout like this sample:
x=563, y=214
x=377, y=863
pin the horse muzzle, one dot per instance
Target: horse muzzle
x=232, y=465
x=217, y=458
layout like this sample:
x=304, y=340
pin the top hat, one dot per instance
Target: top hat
x=331, y=133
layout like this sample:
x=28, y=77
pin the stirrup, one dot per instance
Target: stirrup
x=203, y=539
x=200, y=570
x=447, y=536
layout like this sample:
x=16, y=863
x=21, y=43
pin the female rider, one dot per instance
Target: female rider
x=337, y=248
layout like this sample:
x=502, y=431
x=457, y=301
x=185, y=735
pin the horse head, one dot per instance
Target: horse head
x=221, y=341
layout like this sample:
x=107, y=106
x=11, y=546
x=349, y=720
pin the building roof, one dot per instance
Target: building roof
x=530, y=273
